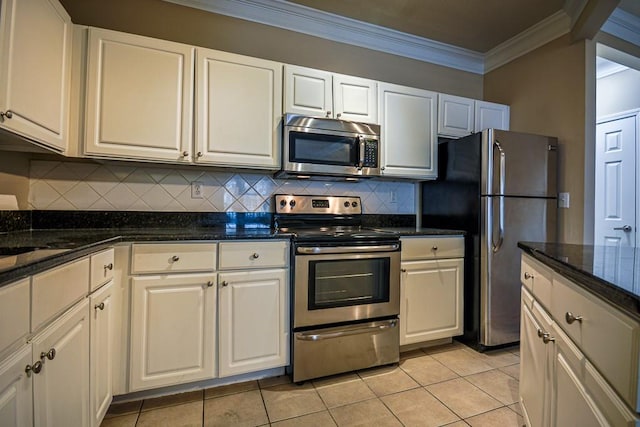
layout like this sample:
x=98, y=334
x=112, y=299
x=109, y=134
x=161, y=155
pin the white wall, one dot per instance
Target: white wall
x=618, y=92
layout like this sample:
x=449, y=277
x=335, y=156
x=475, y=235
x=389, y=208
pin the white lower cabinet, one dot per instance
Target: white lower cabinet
x=431, y=288
x=101, y=352
x=173, y=326
x=253, y=321
x=16, y=389
x=61, y=388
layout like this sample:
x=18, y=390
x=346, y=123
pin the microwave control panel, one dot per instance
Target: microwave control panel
x=370, y=153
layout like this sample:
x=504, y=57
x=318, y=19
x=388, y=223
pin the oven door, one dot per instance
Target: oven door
x=338, y=284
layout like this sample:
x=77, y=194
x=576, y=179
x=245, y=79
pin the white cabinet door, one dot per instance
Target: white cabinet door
x=35, y=70
x=253, y=321
x=307, y=91
x=16, y=393
x=355, y=99
x=239, y=110
x=408, y=126
x=431, y=300
x=61, y=389
x=173, y=326
x=455, y=115
x=536, y=361
x=101, y=352
x=139, y=97
x=489, y=115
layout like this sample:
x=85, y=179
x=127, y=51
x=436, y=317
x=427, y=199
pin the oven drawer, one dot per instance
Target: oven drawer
x=329, y=351
x=414, y=248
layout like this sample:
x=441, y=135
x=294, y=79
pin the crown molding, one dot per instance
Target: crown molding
x=302, y=19
x=532, y=38
x=623, y=25
x=574, y=8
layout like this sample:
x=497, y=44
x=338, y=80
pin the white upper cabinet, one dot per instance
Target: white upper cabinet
x=323, y=94
x=455, y=115
x=139, y=97
x=489, y=115
x=459, y=116
x=239, y=110
x=408, y=126
x=35, y=70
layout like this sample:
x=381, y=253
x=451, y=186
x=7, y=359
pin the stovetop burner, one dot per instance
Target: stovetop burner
x=324, y=218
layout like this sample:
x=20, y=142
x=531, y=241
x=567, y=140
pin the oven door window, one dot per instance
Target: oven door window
x=305, y=147
x=341, y=283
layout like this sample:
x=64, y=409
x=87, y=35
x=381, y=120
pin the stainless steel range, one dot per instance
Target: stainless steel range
x=346, y=286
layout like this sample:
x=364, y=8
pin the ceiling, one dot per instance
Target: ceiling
x=478, y=25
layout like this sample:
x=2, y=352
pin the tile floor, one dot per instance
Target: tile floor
x=449, y=385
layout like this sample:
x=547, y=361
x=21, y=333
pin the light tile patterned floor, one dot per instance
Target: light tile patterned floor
x=450, y=385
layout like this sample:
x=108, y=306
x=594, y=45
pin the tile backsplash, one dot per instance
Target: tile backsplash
x=111, y=186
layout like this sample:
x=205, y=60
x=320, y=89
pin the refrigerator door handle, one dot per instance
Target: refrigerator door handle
x=496, y=246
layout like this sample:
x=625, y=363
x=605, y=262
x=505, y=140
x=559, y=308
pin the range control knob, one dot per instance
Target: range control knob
x=283, y=203
x=346, y=204
x=354, y=204
x=292, y=203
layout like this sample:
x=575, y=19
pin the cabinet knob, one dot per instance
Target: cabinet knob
x=175, y=258
x=224, y=283
x=199, y=154
x=185, y=154
x=570, y=318
x=35, y=368
x=255, y=255
x=339, y=115
x=108, y=267
x=99, y=306
x=403, y=270
x=546, y=338
x=540, y=332
x=528, y=276
x=209, y=284
x=51, y=354
x=328, y=114
x=8, y=114
x=434, y=248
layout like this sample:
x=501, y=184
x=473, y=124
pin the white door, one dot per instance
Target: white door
x=615, y=179
x=172, y=329
x=139, y=97
x=307, y=91
x=16, y=398
x=101, y=353
x=35, y=70
x=61, y=389
x=253, y=321
x=238, y=110
x=355, y=99
x=408, y=128
x=431, y=300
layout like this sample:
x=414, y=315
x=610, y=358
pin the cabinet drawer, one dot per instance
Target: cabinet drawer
x=253, y=254
x=57, y=289
x=101, y=268
x=14, y=313
x=432, y=247
x=172, y=257
x=537, y=279
x=607, y=337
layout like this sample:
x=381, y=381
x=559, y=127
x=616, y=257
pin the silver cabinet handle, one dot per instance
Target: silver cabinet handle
x=625, y=228
x=209, y=284
x=224, y=283
x=8, y=114
x=51, y=354
x=528, y=276
x=570, y=318
x=35, y=368
x=99, y=306
x=255, y=255
x=175, y=258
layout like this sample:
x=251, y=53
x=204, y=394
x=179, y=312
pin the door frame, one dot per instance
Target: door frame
x=635, y=113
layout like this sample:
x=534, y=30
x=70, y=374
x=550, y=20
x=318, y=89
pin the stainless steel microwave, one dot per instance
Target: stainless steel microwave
x=329, y=147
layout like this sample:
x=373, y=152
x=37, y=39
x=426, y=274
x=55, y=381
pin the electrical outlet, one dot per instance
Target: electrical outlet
x=196, y=190
x=563, y=200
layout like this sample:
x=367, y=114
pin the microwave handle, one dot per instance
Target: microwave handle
x=361, y=156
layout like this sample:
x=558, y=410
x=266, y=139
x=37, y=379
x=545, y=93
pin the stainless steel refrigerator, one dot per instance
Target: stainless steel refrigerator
x=500, y=188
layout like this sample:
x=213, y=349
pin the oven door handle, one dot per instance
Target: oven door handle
x=315, y=250
x=357, y=330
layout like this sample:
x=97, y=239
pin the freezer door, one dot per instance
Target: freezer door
x=525, y=219
x=518, y=164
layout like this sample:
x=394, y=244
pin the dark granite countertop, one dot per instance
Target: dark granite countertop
x=421, y=231
x=611, y=273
